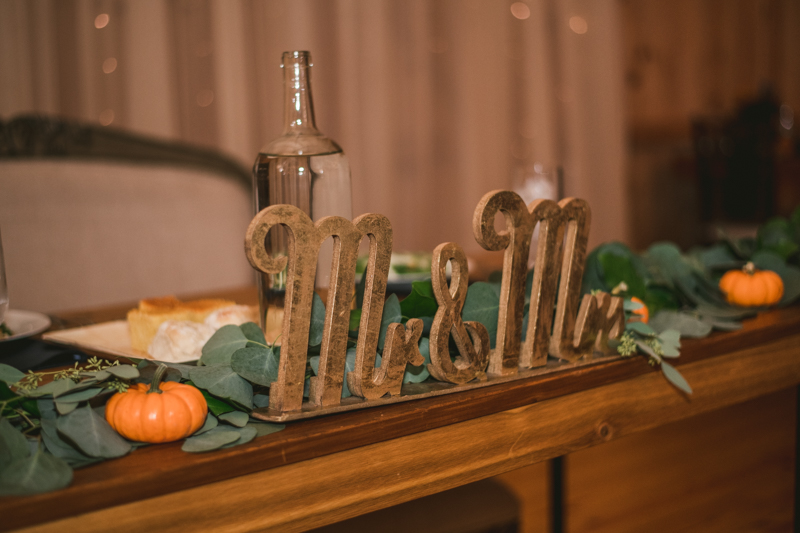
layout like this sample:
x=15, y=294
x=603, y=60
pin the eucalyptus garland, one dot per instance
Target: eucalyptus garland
x=53, y=422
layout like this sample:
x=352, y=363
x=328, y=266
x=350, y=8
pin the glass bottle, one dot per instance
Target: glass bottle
x=304, y=168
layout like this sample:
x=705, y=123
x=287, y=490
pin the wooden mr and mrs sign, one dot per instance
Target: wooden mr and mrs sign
x=579, y=326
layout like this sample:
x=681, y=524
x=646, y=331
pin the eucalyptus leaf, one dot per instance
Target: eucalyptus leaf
x=86, y=384
x=593, y=274
x=417, y=374
x=670, y=351
x=256, y=364
x=392, y=314
x=670, y=337
x=123, y=371
x=317, y=326
x=56, y=387
x=92, y=434
x=686, y=324
x=675, y=377
x=222, y=381
x=235, y=418
x=421, y=302
x=658, y=298
x=5, y=392
x=101, y=375
x=81, y=395
x=65, y=408
x=641, y=328
x=648, y=350
x=630, y=305
x=265, y=428
x=210, y=423
x=721, y=324
x=427, y=322
x=261, y=400
x=46, y=407
x=246, y=434
x=776, y=236
x=221, y=346
x=211, y=440
x=718, y=256
x=40, y=472
x=790, y=275
x=360, y=287
x=13, y=444
x=730, y=313
x=618, y=269
x=61, y=448
x=215, y=405
x=482, y=305
x=355, y=320
x=183, y=369
x=253, y=333
x=9, y=374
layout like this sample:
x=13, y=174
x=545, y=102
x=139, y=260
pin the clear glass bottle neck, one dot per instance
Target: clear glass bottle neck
x=298, y=118
x=300, y=135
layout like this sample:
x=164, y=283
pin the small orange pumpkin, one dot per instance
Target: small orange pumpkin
x=750, y=287
x=643, y=313
x=159, y=412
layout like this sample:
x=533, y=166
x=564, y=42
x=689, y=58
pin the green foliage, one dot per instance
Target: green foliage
x=13, y=444
x=74, y=434
x=675, y=377
x=421, y=302
x=223, y=382
x=483, y=305
x=253, y=334
x=34, y=474
x=216, y=405
x=10, y=375
x=91, y=434
x=235, y=418
x=220, y=347
x=790, y=275
x=317, y=321
x=210, y=423
x=686, y=323
x=418, y=374
x=392, y=314
x=256, y=364
x=776, y=236
x=211, y=440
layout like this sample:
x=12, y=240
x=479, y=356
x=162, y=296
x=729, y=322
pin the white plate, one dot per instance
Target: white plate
x=25, y=324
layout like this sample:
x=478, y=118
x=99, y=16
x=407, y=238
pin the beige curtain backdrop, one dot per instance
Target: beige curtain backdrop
x=435, y=101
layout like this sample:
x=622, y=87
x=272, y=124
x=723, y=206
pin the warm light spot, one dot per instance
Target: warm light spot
x=520, y=10
x=110, y=65
x=107, y=117
x=101, y=20
x=205, y=97
x=787, y=117
x=578, y=25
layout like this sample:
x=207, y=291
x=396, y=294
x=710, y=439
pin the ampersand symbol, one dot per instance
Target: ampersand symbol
x=471, y=338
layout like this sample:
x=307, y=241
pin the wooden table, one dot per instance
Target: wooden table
x=321, y=471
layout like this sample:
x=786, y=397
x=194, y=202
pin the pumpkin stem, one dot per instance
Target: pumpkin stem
x=157, y=377
x=749, y=268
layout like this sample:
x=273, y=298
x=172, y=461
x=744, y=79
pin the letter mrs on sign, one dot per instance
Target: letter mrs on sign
x=576, y=329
